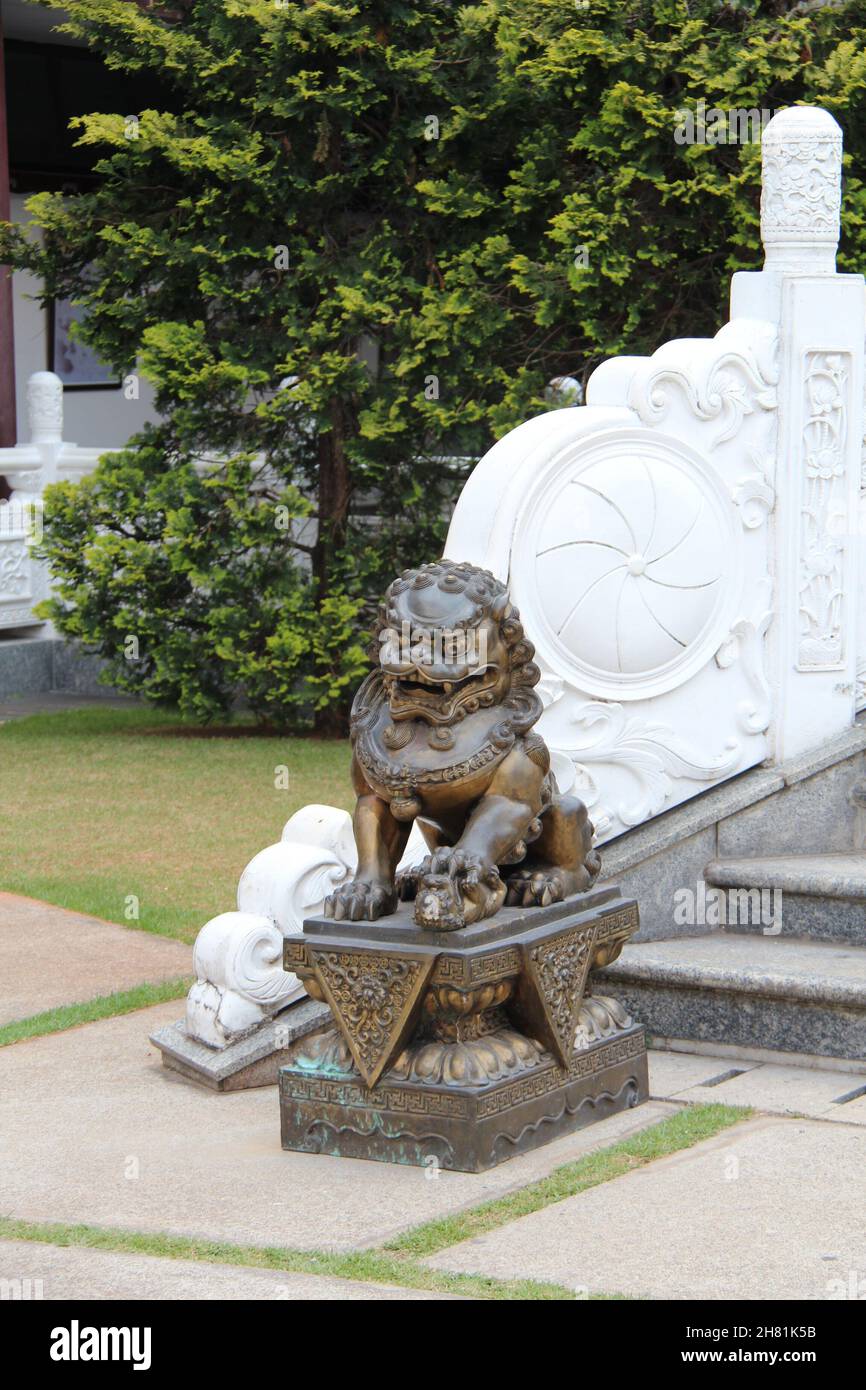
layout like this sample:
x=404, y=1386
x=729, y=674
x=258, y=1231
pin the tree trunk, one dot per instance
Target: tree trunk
x=333, y=511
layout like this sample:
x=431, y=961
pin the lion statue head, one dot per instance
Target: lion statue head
x=450, y=642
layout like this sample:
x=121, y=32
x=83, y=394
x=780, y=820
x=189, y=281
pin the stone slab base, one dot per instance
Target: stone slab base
x=251, y=1061
x=469, y=1129
x=756, y=1056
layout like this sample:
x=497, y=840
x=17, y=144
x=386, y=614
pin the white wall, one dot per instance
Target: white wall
x=99, y=418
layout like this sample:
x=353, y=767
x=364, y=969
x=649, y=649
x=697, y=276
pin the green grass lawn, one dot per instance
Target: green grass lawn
x=99, y=805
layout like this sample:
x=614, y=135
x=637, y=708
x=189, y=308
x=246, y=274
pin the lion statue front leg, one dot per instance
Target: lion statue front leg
x=381, y=840
x=561, y=861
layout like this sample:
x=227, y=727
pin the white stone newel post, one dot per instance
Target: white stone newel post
x=813, y=638
x=30, y=468
x=801, y=191
x=45, y=408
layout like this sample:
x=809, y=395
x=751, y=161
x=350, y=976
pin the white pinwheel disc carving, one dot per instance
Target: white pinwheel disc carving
x=625, y=564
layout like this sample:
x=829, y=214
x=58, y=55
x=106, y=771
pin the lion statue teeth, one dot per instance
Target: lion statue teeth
x=442, y=733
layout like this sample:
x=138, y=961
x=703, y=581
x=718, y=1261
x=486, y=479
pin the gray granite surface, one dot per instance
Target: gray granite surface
x=777, y=993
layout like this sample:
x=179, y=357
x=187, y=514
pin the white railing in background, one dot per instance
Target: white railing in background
x=28, y=469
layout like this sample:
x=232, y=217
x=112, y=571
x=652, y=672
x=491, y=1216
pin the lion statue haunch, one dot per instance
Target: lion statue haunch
x=443, y=733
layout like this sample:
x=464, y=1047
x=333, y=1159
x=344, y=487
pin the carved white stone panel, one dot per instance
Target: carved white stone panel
x=624, y=565
x=14, y=569
x=650, y=754
x=720, y=381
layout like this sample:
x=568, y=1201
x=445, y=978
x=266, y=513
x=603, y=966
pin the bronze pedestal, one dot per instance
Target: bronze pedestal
x=461, y=1049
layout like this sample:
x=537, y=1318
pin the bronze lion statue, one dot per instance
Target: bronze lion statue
x=442, y=733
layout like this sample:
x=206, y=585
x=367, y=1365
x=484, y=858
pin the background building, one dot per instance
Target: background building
x=49, y=78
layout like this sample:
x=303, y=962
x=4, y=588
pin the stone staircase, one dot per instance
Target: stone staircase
x=823, y=896
x=785, y=971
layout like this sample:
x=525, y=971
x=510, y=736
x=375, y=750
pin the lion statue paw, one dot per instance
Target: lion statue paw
x=360, y=901
x=537, y=887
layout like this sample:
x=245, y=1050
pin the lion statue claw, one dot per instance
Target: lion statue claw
x=443, y=734
x=359, y=901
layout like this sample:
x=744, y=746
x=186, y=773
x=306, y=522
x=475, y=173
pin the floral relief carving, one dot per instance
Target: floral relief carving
x=822, y=521
x=755, y=497
x=745, y=643
x=755, y=494
x=561, y=967
x=371, y=995
x=719, y=382
x=650, y=753
x=14, y=570
x=801, y=187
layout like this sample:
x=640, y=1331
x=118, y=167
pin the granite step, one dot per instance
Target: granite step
x=819, y=896
x=777, y=993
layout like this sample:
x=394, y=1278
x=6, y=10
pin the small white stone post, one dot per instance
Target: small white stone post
x=821, y=316
x=45, y=408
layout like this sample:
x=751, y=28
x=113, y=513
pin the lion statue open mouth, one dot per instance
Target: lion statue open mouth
x=442, y=734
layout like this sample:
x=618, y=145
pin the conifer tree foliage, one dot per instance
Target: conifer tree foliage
x=353, y=252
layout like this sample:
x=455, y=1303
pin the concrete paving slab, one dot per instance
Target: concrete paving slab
x=781, y=1091
x=94, y=1129
x=854, y=1113
x=671, y=1073
x=770, y=1209
x=49, y=956
x=52, y=1272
